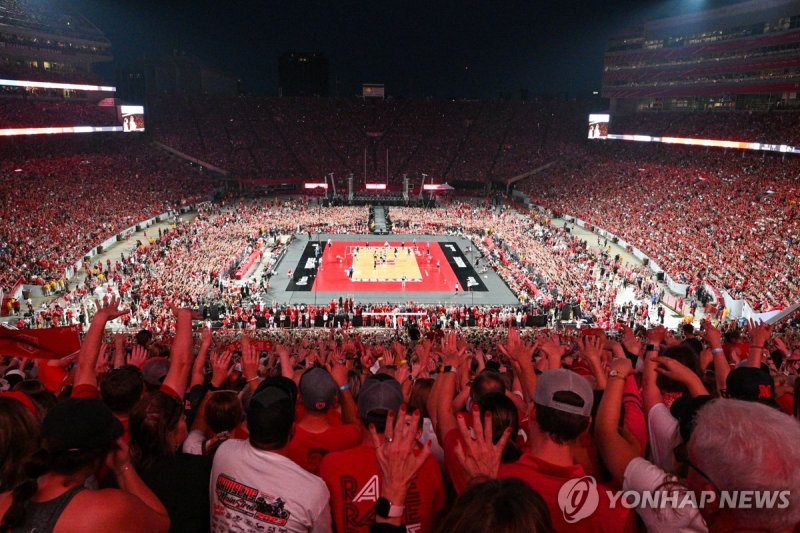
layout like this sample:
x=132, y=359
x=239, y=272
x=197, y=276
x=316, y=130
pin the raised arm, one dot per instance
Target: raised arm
x=617, y=449
x=520, y=354
x=90, y=349
x=198, y=367
x=759, y=335
x=721, y=366
x=181, y=356
x=445, y=417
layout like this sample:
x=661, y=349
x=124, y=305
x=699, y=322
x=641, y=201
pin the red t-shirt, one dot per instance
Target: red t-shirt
x=307, y=449
x=547, y=479
x=352, y=479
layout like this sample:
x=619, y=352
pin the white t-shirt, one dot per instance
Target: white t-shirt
x=663, y=435
x=641, y=475
x=194, y=442
x=255, y=490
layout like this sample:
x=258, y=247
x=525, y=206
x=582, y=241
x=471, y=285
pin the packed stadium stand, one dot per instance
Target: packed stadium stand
x=269, y=138
x=62, y=196
x=731, y=219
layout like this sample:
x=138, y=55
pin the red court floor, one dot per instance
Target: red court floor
x=333, y=274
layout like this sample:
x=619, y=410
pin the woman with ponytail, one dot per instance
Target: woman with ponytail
x=80, y=438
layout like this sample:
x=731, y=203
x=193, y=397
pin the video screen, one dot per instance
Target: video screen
x=132, y=117
x=598, y=126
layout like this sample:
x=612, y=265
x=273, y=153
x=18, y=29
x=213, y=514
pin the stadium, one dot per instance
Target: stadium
x=227, y=304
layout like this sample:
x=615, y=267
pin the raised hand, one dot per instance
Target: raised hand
x=630, y=341
x=479, y=456
x=711, y=334
x=451, y=349
x=220, y=367
x=249, y=360
x=591, y=348
x=515, y=349
x=138, y=356
x=759, y=332
x=110, y=310
x=679, y=372
x=103, y=360
x=398, y=461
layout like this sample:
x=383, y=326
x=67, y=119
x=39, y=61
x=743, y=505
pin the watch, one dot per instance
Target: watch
x=650, y=348
x=449, y=368
x=616, y=374
x=385, y=509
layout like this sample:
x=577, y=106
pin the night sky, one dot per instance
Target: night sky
x=433, y=48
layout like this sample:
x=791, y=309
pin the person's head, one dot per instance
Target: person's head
x=223, y=413
x=420, y=393
x=485, y=383
x=157, y=428
x=154, y=372
x=144, y=338
x=688, y=330
x=504, y=415
x=563, y=405
x=379, y=394
x=318, y=390
x=498, y=505
x=122, y=388
x=751, y=385
x=42, y=398
x=270, y=416
x=19, y=438
x=685, y=355
x=739, y=446
x=77, y=435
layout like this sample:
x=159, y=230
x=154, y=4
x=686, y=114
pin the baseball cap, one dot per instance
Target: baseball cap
x=562, y=380
x=752, y=385
x=268, y=396
x=379, y=394
x=285, y=384
x=79, y=424
x=318, y=389
x=155, y=370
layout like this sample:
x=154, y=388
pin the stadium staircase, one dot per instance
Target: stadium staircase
x=378, y=223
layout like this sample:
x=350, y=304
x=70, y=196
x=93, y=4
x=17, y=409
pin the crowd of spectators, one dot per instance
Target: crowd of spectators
x=335, y=430
x=727, y=218
x=57, y=205
x=552, y=272
x=54, y=113
x=308, y=138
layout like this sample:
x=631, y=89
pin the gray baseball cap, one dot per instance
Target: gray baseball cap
x=562, y=380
